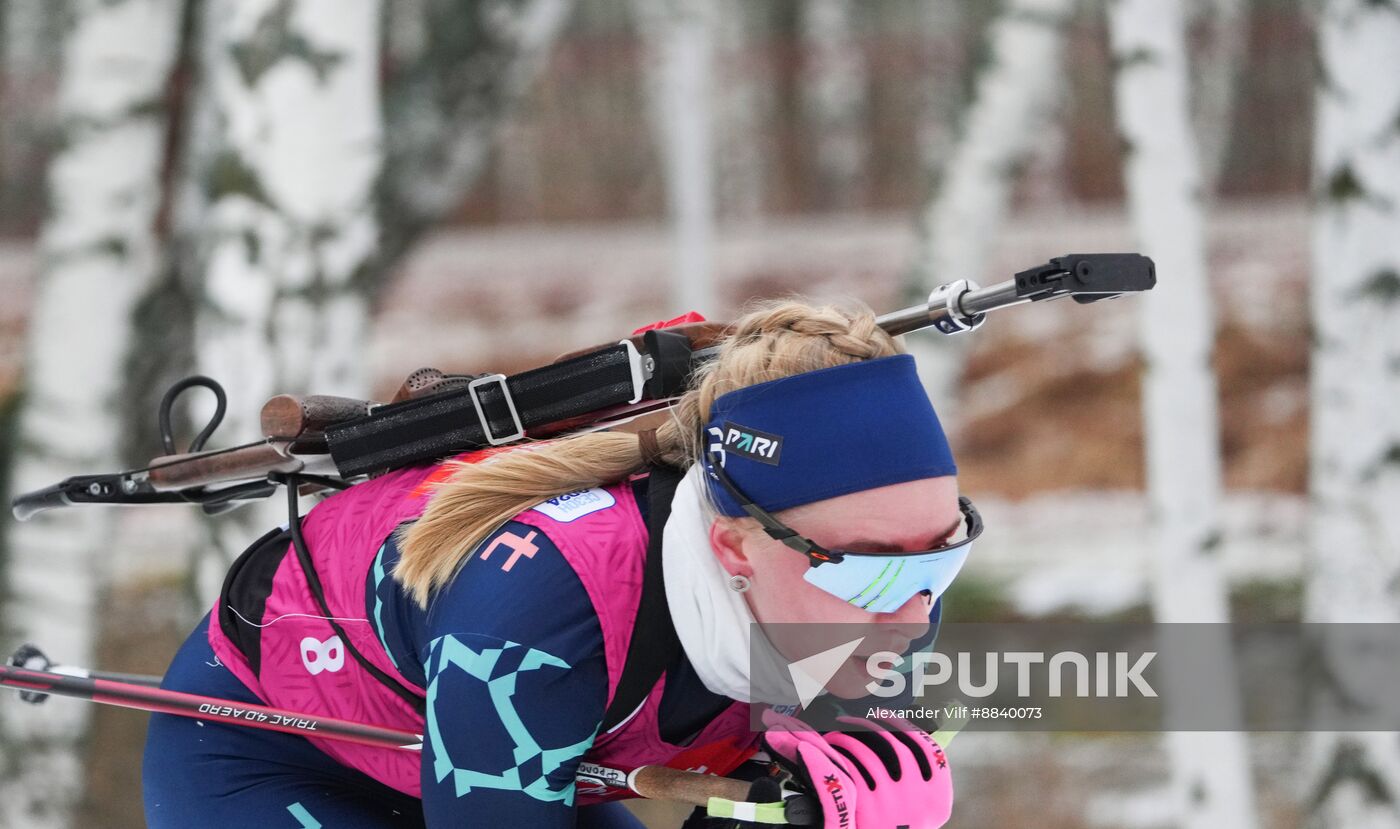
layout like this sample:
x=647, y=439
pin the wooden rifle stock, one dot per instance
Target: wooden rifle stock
x=288, y=417
x=173, y=472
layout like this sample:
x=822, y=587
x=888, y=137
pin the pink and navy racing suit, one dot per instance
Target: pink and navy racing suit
x=512, y=674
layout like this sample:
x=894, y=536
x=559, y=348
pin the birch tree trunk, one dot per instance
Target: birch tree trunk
x=944, y=93
x=1016, y=95
x=1210, y=781
x=744, y=102
x=679, y=36
x=163, y=348
x=29, y=57
x=835, y=81
x=98, y=254
x=290, y=223
x=168, y=315
x=457, y=70
x=1355, y=387
x=1216, y=82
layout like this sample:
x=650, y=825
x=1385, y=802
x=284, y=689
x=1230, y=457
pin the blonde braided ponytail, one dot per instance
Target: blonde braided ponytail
x=774, y=339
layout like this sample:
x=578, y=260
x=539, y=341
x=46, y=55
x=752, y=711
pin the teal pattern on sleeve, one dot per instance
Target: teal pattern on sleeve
x=535, y=768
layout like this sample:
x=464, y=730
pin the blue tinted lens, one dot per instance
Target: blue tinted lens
x=882, y=584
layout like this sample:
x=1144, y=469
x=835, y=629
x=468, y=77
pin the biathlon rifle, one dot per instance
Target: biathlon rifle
x=326, y=441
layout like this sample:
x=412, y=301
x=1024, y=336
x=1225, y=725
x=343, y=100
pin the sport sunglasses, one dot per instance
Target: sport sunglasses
x=878, y=582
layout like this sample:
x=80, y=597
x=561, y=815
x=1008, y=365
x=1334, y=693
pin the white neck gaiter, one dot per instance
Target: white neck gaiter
x=711, y=620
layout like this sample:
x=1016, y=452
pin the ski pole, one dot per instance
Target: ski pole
x=160, y=700
x=654, y=782
x=31, y=658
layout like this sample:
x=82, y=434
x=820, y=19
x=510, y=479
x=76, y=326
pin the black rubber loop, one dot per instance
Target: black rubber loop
x=167, y=431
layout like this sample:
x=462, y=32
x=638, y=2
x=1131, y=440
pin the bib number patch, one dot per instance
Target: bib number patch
x=572, y=506
x=320, y=656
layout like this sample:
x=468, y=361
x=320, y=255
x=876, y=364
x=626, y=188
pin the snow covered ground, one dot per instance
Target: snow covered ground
x=1087, y=551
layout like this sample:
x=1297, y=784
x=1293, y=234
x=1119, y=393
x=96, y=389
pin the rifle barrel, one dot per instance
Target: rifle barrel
x=991, y=298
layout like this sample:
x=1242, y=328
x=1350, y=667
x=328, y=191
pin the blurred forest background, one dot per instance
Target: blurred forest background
x=324, y=195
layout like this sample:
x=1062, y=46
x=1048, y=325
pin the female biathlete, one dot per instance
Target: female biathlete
x=574, y=606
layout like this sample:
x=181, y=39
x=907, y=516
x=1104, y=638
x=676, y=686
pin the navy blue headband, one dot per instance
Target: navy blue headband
x=826, y=433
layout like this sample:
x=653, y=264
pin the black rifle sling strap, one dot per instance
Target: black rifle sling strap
x=313, y=582
x=493, y=409
x=654, y=645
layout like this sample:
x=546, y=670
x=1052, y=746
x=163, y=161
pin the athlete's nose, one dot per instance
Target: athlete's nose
x=907, y=622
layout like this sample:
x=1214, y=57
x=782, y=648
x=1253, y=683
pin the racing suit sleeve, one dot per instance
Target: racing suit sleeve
x=516, y=687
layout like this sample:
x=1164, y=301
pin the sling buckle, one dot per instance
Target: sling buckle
x=499, y=379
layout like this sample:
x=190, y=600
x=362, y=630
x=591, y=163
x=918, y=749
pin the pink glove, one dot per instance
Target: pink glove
x=880, y=775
